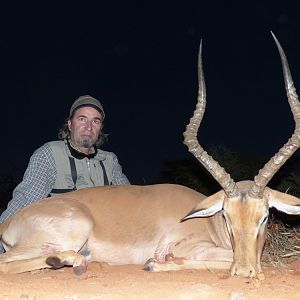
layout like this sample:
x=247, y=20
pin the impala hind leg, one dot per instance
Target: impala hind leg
x=68, y=258
x=65, y=258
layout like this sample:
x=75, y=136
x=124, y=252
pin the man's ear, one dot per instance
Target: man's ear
x=69, y=125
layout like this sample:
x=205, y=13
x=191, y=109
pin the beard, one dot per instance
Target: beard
x=86, y=142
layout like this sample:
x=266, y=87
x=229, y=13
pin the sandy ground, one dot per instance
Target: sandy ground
x=131, y=282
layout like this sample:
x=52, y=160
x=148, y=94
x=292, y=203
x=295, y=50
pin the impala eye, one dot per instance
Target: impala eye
x=225, y=216
x=264, y=220
x=227, y=221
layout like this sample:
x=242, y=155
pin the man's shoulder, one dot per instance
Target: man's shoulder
x=54, y=144
x=48, y=147
x=102, y=154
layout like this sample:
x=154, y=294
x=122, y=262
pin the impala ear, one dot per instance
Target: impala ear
x=207, y=207
x=284, y=202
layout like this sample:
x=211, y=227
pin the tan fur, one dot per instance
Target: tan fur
x=116, y=224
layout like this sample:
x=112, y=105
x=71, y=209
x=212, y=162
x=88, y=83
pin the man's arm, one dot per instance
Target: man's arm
x=37, y=182
x=118, y=177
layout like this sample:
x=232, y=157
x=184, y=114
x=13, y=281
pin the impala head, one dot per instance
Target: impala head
x=246, y=204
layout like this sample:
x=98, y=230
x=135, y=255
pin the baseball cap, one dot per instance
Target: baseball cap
x=87, y=100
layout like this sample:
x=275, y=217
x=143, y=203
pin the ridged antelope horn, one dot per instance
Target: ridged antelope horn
x=190, y=137
x=274, y=164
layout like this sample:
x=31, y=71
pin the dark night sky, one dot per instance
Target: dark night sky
x=141, y=62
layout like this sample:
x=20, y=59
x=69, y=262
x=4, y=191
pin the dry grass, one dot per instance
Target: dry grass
x=282, y=243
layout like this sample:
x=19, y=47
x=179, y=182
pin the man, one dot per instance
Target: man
x=73, y=162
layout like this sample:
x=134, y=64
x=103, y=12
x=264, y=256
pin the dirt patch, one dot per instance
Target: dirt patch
x=131, y=282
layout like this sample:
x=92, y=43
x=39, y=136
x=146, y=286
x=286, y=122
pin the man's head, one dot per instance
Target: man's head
x=85, y=123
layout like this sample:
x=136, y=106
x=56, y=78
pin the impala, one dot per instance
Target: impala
x=141, y=224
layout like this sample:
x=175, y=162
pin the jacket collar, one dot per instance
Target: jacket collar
x=78, y=154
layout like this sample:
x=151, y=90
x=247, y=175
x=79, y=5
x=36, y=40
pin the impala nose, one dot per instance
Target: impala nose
x=244, y=271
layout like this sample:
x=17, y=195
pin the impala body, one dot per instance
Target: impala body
x=141, y=224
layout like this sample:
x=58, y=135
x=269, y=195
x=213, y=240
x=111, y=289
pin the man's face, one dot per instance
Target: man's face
x=85, y=126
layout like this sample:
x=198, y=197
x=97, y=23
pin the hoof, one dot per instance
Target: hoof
x=54, y=262
x=79, y=270
x=151, y=266
x=80, y=265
